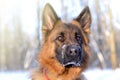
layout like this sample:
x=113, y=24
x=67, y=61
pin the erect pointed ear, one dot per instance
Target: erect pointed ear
x=49, y=18
x=85, y=19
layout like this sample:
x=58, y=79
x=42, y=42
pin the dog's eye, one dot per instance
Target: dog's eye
x=78, y=37
x=61, y=38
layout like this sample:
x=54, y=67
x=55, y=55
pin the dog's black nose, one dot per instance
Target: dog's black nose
x=74, y=50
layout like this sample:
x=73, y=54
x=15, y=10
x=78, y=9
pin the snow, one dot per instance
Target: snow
x=14, y=76
x=107, y=74
x=92, y=74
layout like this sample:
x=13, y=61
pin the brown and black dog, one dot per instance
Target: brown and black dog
x=65, y=52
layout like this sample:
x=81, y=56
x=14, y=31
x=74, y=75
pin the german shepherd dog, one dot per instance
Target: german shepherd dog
x=64, y=52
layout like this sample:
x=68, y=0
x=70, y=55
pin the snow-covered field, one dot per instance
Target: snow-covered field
x=14, y=75
x=95, y=74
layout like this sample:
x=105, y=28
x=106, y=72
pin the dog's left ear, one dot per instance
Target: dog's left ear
x=85, y=19
x=49, y=18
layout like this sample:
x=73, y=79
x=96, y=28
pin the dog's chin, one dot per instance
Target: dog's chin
x=71, y=64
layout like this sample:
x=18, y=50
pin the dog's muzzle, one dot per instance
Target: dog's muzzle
x=71, y=55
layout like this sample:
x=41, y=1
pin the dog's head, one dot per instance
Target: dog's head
x=65, y=42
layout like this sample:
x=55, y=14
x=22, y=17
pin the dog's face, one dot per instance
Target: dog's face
x=65, y=43
x=69, y=45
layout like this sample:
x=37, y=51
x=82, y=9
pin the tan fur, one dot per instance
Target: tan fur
x=47, y=55
x=57, y=69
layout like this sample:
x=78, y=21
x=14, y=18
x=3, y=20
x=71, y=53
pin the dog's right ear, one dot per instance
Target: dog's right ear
x=85, y=19
x=49, y=18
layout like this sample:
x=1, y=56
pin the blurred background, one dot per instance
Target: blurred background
x=20, y=36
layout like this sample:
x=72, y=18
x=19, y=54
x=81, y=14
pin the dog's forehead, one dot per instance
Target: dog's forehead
x=68, y=27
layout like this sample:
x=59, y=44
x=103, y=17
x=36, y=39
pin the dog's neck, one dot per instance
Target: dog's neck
x=48, y=76
x=45, y=74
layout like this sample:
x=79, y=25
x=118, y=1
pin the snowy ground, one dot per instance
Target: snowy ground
x=95, y=74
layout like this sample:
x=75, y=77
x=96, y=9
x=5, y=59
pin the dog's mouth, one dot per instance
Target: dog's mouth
x=71, y=64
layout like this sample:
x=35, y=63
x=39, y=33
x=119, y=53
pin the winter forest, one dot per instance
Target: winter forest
x=20, y=35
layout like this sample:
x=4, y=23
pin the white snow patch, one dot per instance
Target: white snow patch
x=14, y=76
x=92, y=74
x=97, y=74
